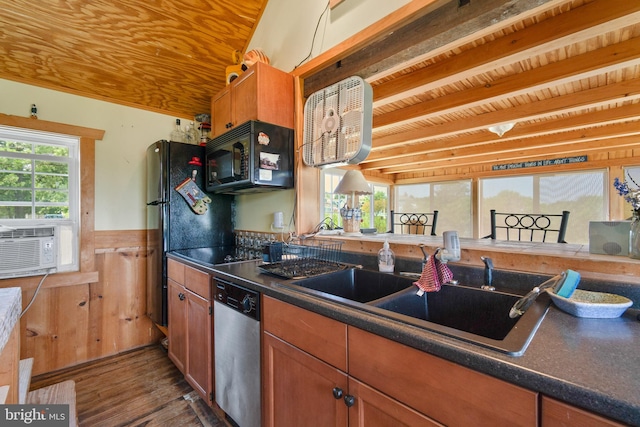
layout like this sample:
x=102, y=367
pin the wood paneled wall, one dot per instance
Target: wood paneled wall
x=73, y=323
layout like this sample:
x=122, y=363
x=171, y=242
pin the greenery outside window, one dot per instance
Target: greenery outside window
x=39, y=185
x=374, y=215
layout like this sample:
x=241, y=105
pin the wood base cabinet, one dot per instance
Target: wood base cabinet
x=305, y=391
x=442, y=390
x=384, y=383
x=374, y=409
x=560, y=414
x=177, y=327
x=319, y=371
x=304, y=379
x=299, y=388
x=190, y=326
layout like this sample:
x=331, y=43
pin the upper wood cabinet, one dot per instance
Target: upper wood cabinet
x=261, y=93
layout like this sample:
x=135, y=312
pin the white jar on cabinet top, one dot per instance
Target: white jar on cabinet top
x=386, y=259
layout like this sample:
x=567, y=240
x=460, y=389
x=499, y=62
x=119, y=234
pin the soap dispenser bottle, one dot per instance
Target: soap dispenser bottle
x=386, y=259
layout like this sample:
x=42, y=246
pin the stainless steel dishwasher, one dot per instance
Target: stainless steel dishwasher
x=237, y=352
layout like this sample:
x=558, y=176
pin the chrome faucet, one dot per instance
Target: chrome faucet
x=488, y=274
x=425, y=257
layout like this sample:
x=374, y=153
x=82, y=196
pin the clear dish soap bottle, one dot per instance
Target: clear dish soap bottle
x=386, y=259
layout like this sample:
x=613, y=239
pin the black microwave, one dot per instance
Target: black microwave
x=253, y=157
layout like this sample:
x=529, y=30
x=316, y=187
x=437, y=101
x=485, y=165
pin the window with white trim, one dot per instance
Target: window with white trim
x=40, y=185
x=374, y=215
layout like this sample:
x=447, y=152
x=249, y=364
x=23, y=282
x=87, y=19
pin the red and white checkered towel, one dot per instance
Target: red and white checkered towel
x=434, y=274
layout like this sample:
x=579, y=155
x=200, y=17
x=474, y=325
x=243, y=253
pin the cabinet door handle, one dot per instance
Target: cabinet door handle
x=181, y=296
x=337, y=392
x=349, y=400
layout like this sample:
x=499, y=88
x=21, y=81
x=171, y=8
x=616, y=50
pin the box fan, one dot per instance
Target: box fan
x=337, y=124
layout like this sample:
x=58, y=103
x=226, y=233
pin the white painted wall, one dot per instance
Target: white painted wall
x=120, y=156
x=285, y=32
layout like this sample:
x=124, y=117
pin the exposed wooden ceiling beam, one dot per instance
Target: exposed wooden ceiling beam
x=516, y=154
x=440, y=150
x=384, y=158
x=615, y=92
x=320, y=68
x=579, y=24
x=435, y=26
x=582, y=66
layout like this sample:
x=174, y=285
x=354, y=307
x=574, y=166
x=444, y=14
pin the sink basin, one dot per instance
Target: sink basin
x=353, y=285
x=471, y=314
x=463, y=312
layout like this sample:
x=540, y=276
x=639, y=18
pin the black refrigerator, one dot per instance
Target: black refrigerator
x=173, y=222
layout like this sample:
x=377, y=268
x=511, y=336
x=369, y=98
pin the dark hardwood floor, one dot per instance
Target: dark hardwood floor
x=141, y=387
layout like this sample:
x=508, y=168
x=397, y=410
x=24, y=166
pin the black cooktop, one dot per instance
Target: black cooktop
x=210, y=256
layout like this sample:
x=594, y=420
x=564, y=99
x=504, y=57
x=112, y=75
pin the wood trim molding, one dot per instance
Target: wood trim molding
x=120, y=239
x=57, y=280
x=87, y=203
x=88, y=137
x=46, y=126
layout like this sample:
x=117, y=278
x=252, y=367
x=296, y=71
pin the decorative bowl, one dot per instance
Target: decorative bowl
x=592, y=304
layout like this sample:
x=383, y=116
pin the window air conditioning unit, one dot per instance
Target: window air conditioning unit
x=28, y=251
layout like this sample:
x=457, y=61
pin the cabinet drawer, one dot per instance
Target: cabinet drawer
x=442, y=390
x=175, y=271
x=318, y=335
x=197, y=281
x=556, y=413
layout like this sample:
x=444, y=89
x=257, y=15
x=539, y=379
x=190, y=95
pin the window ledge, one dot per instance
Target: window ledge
x=532, y=257
x=56, y=280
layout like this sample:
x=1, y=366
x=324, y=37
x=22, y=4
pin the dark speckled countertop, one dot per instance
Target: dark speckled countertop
x=590, y=363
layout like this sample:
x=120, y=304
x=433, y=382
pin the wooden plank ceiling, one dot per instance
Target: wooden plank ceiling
x=162, y=55
x=567, y=73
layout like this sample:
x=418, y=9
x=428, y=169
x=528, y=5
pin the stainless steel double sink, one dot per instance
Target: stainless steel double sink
x=468, y=313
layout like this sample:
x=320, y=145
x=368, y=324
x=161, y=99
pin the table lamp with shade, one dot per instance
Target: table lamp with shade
x=352, y=183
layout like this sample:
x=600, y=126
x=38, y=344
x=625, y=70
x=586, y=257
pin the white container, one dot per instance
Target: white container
x=386, y=259
x=278, y=220
x=597, y=305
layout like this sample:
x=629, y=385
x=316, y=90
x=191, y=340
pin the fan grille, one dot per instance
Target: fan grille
x=337, y=123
